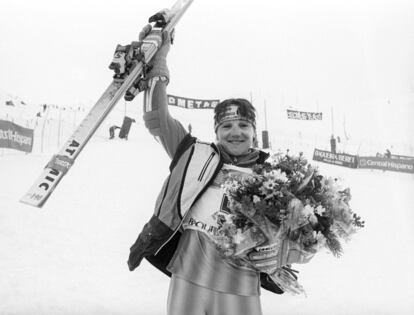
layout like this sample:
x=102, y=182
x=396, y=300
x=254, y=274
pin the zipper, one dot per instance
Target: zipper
x=203, y=170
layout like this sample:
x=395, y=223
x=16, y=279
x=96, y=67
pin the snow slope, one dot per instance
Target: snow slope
x=70, y=256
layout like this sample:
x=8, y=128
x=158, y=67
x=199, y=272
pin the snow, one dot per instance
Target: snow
x=70, y=256
x=351, y=60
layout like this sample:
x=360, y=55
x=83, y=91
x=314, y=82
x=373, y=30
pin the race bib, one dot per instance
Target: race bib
x=203, y=214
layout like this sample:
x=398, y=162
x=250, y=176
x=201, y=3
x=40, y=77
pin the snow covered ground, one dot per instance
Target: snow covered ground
x=351, y=60
x=70, y=256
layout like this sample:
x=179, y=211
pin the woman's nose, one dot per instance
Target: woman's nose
x=235, y=131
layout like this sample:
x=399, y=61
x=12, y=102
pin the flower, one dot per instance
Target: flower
x=269, y=184
x=307, y=210
x=320, y=210
x=256, y=199
x=276, y=175
x=287, y=202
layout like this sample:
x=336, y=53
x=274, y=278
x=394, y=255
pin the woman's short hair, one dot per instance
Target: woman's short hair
x=245, y=110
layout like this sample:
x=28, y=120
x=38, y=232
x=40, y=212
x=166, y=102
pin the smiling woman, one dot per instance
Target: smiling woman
x=178, y=239
x=235, y=126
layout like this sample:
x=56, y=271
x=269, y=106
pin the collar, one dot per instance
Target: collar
x=249, y=159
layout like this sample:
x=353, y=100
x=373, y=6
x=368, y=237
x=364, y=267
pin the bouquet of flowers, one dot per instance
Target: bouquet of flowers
x=286, y=206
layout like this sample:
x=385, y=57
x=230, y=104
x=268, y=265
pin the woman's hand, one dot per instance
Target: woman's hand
x=158, y=64
x=264, y=258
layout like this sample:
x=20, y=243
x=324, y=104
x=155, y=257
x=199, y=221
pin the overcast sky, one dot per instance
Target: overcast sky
x=352, y=57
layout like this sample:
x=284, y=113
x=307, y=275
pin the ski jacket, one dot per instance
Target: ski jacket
x=192, y=170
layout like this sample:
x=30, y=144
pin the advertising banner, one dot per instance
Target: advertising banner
x=15, y=137
x=294, y=114
x=185, y=102
x=402, y=157
x=380, y=163
x=340, y=159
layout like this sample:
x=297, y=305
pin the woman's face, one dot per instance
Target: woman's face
x=236, y=136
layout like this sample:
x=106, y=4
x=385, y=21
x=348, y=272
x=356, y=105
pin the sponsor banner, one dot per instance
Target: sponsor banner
x=402, y=157
x=294, y=114
x=340, y=159
x=380, y=163
x=15, y=137
x=185, y=102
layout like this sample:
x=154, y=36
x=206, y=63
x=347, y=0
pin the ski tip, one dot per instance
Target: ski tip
x=31, y=200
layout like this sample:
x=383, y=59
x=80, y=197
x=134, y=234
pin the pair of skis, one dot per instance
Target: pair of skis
x=123, y=82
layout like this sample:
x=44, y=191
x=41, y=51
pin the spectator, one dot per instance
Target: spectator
x=112, y=131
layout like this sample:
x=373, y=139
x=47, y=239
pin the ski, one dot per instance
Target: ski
x=139, y=54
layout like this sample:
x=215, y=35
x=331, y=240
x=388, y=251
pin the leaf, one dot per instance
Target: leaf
x=333, y=244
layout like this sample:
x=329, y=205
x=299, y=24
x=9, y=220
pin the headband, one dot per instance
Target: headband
x=232, y=112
